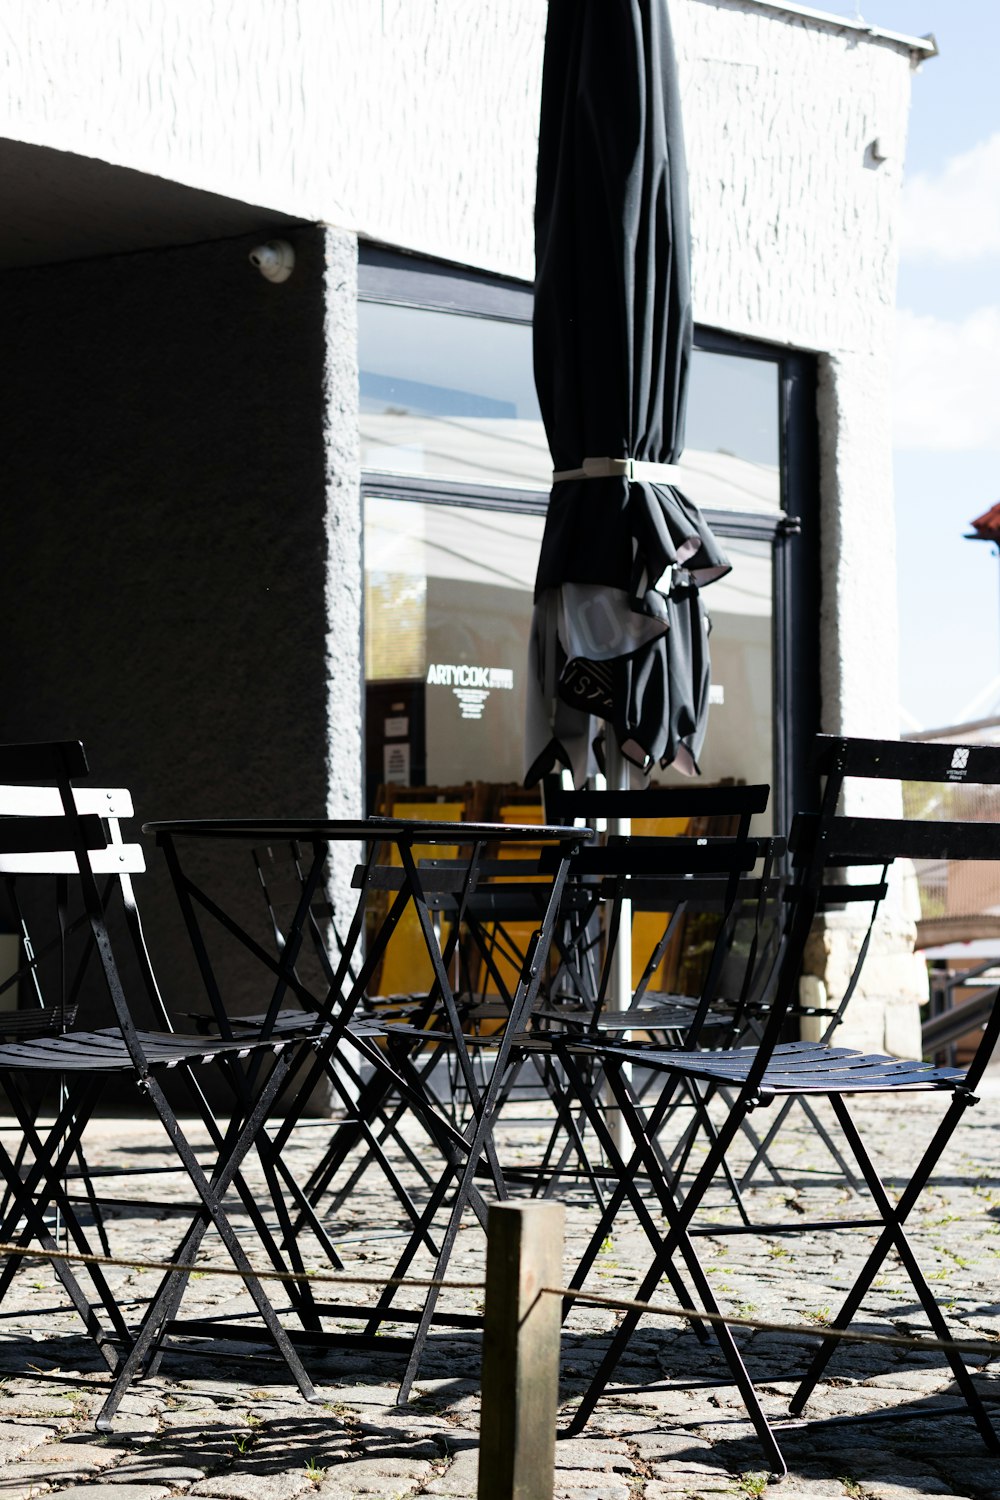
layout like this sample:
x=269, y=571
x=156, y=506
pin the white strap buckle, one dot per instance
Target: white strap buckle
x=621, y=468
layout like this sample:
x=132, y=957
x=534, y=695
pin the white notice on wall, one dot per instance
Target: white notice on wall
x=397, y=728
x=716, y=693
x=396, y=765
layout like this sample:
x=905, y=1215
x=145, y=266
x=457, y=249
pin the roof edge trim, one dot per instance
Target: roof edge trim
x=920, y=47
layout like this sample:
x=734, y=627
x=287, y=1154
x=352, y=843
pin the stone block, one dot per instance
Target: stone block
x=460, y=1478
x=240, y=1485
x=381, y=1478
x=115, y=1492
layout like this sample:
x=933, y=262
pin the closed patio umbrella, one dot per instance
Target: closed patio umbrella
x=619, y=632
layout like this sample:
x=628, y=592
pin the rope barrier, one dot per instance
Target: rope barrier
x=991, y=1348
x=763, y=1325
x=78, y=1257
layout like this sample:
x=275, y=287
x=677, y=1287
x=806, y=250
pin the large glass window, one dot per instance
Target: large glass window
x=446, y=394
x=457, y=473
x=448, y=595
x=450, y=395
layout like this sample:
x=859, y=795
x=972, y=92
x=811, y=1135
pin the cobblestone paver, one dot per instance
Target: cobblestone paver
x=225, y=1422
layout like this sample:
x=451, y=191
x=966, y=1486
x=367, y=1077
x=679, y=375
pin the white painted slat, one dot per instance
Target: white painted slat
x=116, y=859
x=44, y=802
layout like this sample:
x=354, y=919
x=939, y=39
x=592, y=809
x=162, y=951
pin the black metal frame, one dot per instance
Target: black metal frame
x=88, y=1059
x=390, y=276
x=437, y=1017
x=758, y=1076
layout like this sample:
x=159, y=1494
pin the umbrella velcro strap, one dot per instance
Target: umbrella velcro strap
x=621, y=468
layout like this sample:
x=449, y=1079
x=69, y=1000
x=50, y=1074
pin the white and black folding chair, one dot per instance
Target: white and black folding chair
x=97, y=906
x=756, y=1077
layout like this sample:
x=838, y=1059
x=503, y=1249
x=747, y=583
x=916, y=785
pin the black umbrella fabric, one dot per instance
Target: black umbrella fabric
x=619, y=631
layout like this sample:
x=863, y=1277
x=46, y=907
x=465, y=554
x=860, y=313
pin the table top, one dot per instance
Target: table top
x=410, y=830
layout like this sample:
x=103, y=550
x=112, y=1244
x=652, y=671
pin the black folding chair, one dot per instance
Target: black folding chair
x=710, y=914
x=757, y=1076
x=45, y=993
x=96, y=905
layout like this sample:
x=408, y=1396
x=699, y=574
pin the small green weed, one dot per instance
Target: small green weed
x=753, y=1483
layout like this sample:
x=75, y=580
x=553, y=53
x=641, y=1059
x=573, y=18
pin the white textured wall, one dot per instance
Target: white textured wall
x=345, y=756
x=794, y=229
x=414, y=122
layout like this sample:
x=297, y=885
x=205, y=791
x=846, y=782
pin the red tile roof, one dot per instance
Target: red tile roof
x=987, y=526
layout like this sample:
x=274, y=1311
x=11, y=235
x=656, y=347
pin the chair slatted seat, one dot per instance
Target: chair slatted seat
x=16, y=1024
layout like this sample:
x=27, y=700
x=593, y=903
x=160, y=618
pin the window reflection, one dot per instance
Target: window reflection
x=446, y=394
x=448, y=596
x=451, y=395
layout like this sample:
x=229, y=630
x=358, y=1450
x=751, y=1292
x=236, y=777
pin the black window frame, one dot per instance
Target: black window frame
x=409, y=280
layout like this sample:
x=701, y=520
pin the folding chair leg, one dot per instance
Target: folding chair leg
x=760, y=1158
x=625, y=1177
x=678, y=1239
x=894, y=1237
x=308, y=1217
x=300, y=1293
x=391, y=1176
x=92, y=1201
x=607, y=1220
x=154, y=1324
x=349, y=1134
x=574, y=1143
x=699, y=1104
x=18, y=1163
x=452, y=1159
x=819, y=1129
x=479, y=1144
x=30, y=1204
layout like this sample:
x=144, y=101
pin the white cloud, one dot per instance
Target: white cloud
x=947, y=381
x=954, y=214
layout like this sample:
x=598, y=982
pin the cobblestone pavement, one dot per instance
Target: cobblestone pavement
x=211, y=1424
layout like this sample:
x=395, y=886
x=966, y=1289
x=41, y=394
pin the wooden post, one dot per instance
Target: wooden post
x=520, y=1384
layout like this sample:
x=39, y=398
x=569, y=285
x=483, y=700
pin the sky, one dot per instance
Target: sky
x=946, y=418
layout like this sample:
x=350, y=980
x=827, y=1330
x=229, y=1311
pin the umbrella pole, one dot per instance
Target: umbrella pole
x=620, y=987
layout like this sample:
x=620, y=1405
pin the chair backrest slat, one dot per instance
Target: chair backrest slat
x=907, y=760
x=832, y=841
x=47, y=834
x=72, y=833
x=22, y=801
x=865, y=840
x=114, y=859
x=657, y=802
x=49, y=760
x=641, y=855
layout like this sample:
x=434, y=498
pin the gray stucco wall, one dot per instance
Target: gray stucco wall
x=162, y=575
